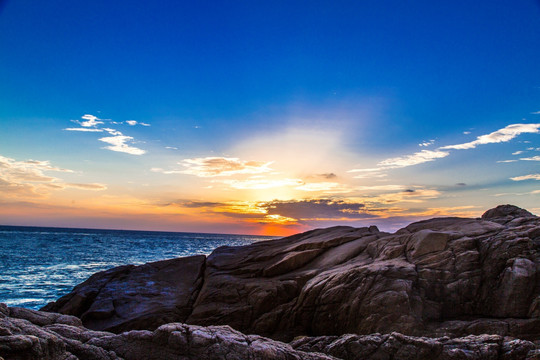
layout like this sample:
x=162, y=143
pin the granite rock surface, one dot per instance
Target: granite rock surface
x=31, y=335
x=441, y=277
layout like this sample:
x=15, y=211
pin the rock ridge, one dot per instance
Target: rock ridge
x=440, y=277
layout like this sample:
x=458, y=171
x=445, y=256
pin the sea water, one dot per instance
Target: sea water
x=39, y=265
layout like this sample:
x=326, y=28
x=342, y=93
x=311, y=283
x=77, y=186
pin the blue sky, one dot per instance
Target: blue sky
x=248, y=80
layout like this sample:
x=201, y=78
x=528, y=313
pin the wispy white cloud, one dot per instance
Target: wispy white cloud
x=90, y=121
x=113, y=132
x=426, y=143
x=414, y=159
x=532, y=158
x=466, y=132
x=135, y=122
x=400, y=162
x=119, y=143
x=517, y=152
x=536, y=113
x=507, y=161
x=502, y=135
x=534, y=192
x=222, y=166
x=526, y=177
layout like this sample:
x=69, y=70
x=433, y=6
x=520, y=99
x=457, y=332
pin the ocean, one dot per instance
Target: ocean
x=41, y=264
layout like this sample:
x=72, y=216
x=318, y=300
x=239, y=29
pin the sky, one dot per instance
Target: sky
x=270, y=118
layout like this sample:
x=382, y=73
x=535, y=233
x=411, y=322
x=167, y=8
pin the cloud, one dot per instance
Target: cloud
x=400, y=162
x=414, y=159
x=507, y=161
x=93, y=187
x=118, y=143
x=222, y=166
x=135, y=122
x=253, y=184
x=83, y=129
x=526, y=177
x=466, y=132
x=533, y=158
x=327, y=187
x=316, y=209
x=369, y=173
x=91, y=121
x=534, y=192
x=502, y=135
x=113, y=132
x=517, y=152
x=536, y=113
x=380, y=188
x=416, y=195
x=327, y=176
x=27, y=179
x=426, y=143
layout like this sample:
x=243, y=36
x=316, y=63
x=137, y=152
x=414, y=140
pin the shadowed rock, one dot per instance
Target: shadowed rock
x=56, y=337
x=136, y=297
x=400, y=347
x=439, y=277
x=31, y=335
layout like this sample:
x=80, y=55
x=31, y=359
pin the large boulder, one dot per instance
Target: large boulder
x=439, y=277
x=136, y=297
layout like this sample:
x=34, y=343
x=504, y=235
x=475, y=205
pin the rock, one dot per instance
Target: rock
x=440, y=277
x=136, y=297
x=506, y=213
x=29, y=335
x=58, y=338
x=400, y=347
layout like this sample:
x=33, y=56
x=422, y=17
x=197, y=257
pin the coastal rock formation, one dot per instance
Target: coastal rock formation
x=398, y=346
x=136, y=297
x=32, y=335
x=440, y=277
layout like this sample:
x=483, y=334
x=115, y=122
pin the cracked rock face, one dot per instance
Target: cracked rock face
x=440, y=277
x=32, y=335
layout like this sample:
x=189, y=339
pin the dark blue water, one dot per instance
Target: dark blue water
x=38, y=265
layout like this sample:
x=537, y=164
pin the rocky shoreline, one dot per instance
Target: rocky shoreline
x=29, y=334
x=446, y=288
